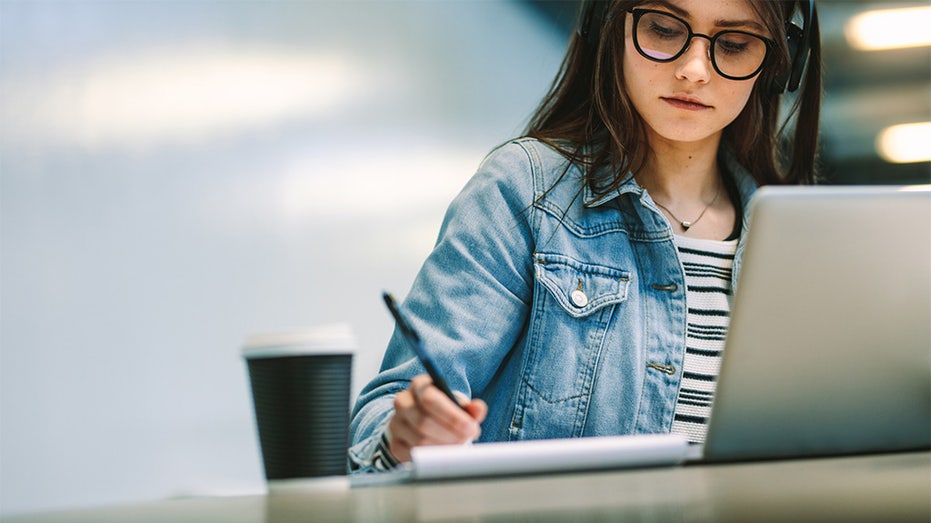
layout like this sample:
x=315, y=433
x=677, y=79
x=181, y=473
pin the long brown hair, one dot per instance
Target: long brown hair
x=588, y=117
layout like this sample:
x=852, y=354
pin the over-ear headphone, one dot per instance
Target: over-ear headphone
x=799, y=42
x=798, y=38
x=591, y=19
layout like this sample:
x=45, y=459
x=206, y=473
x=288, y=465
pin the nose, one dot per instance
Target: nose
x=695, y=63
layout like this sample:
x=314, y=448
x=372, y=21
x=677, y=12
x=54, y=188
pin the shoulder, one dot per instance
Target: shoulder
x=526, y=154
x=531, y=165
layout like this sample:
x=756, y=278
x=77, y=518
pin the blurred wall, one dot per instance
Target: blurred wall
x=179, y=174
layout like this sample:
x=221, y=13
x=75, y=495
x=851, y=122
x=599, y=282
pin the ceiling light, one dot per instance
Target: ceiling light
x=889, y=29
x=905, y=143
x=186, y=94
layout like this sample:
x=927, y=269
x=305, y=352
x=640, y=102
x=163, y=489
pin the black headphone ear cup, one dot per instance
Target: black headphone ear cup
x=793, y=73
x=590, y=20
x=797, y=54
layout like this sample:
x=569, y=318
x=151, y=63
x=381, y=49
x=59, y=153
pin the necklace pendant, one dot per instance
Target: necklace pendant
x=685, y=225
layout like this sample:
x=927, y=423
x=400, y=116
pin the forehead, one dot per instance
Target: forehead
x=713, y=13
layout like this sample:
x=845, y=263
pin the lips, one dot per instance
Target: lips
x=689, y=103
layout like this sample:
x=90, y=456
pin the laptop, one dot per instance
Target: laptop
x=829, y=346
x=828, y=350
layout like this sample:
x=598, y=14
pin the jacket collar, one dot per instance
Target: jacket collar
x=594, y=200
x=746, y=185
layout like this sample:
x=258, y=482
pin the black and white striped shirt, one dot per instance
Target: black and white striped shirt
x=708, y=267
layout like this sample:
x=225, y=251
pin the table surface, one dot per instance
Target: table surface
x=890, y=487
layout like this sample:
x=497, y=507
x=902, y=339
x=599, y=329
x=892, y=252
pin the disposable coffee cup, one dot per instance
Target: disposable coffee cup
x=300, y=391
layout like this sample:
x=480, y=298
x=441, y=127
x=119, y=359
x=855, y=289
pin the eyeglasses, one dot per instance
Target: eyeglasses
x=663, y=37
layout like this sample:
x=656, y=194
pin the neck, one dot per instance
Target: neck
x=682, y=172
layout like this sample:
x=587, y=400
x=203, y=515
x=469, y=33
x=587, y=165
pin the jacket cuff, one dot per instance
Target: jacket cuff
x=373, y=455
x=382, y=458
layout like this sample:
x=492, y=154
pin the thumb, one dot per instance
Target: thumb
x=477, y=408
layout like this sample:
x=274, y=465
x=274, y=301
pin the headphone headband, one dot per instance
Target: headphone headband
x=591, y=18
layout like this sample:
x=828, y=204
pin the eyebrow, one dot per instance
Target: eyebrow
x=753, y=24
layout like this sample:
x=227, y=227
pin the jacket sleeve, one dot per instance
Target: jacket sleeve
x=470, y=300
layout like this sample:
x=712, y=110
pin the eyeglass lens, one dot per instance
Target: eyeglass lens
x=663, y=37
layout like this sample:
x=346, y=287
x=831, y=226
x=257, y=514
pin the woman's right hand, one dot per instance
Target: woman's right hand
x=423, y=415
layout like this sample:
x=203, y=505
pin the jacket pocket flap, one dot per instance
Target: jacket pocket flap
x=581, y=288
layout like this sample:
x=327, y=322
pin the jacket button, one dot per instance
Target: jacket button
x=662, y=367
x=579, y=298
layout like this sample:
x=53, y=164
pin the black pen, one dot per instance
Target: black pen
x=413, y=339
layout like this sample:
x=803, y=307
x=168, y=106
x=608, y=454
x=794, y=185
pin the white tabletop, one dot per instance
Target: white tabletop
x=892, y=487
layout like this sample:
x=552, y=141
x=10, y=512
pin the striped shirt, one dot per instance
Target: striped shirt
x=708, y=266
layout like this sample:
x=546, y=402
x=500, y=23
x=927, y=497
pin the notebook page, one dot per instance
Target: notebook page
x=541, y=456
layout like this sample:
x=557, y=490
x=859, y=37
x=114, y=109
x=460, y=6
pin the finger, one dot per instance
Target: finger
x=430, y=397
x=419, y=385
x=416, y=426
x=427, y=431
x=420, y=427
x=401, y=426
x=478, y=409
x=437, y=406
x=461, y=398
x=457, y=425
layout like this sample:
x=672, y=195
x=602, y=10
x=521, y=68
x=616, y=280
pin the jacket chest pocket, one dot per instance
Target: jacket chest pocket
x=580, y=288
x=573, y=307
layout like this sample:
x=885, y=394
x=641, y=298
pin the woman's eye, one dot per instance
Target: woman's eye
x=731, y=46
x=665, y=31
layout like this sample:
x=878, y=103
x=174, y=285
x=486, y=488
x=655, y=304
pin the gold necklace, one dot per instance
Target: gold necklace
x=687, y=224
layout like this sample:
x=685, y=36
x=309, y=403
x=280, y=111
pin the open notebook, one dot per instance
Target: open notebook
x=828, y=351
x=536, y=457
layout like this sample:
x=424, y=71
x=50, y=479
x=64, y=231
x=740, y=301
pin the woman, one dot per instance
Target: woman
x=580, y=284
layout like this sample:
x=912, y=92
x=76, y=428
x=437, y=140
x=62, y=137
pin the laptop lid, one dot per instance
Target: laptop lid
x=829, y=346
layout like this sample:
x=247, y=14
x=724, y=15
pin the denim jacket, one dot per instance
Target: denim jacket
x=548, y=302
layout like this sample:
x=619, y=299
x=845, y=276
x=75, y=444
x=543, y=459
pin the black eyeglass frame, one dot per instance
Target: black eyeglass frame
x=639, y=12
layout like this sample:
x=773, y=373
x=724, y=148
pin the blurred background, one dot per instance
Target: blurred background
x=178, y=174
